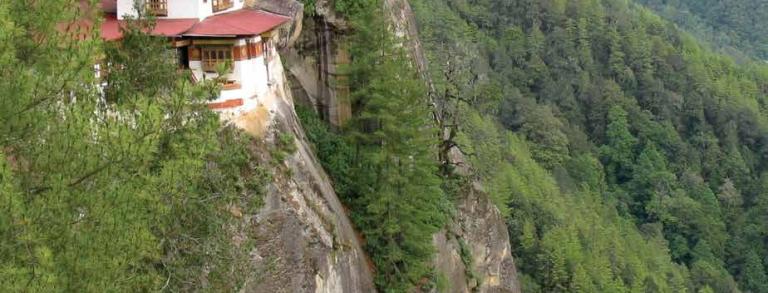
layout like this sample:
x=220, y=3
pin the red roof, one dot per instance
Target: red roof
x=242, y=22
x=110, y=28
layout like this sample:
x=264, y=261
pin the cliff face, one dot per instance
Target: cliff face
x=313, y=62
x=309, y=244
x=304, y=242
x=473, y=252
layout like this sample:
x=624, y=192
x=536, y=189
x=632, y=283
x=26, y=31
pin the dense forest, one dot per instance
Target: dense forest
x=624, y=153
x=627, y=156
x=382, y=161
x=739, y=28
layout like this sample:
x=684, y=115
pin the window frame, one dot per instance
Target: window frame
x=156, y=7
x=221, y=5
x=221, y=54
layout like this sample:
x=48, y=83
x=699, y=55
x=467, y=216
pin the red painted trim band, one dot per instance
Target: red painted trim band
x=226, y=104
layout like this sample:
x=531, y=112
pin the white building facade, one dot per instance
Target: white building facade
x=176, y=9
x=211, y=35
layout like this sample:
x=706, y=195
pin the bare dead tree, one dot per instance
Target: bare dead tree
x=458, y=89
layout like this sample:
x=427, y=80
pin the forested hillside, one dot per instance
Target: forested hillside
x=382, y=161
x=738, y=27
x=626, y=155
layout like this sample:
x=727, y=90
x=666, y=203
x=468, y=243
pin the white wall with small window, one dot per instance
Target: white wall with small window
x=211, y=7
x=175, y=9
x=248, y=78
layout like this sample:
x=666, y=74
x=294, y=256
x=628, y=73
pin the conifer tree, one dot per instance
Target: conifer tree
x=618, y=152
x=397, y=187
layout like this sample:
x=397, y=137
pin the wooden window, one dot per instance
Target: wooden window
x=157, y=7
x=219, y=5
x=213, y=56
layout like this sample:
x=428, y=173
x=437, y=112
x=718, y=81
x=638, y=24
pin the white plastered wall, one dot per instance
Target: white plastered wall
x=176, y=8
x=206, y=8
x=199, y=9
x=267, y=101
x=251, y=74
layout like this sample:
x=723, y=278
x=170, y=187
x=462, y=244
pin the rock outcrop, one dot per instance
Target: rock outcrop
x=313, y=63
x=310, y=244
x=305, y=242
x=474, y=251
x=289, y=33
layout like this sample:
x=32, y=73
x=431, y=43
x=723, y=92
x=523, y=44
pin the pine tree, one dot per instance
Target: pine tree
x=584, y=45
x=618, y=152
x=395, y=172
x=754, y=278
x=616, y=63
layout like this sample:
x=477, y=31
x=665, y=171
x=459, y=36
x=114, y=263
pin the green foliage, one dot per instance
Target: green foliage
x=467, y=259
x=382, y=163
x=309, y=7
x=152, y=72
x=624, y=155
x=545, y=130
x=285, y=145
x=348, y=8
x=737, y=28
x=397, y=188
x=287, y=142
x=577, y=242
x=207, y=215
x=335, y=154
x=355, y=7
x=620, y=146
x=131, y=193
x=441, y=283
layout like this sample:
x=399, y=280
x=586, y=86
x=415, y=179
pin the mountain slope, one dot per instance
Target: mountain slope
x=472, y=248
x=737, y=27
x=626, y=155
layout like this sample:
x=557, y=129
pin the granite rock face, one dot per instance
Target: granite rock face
x=473, y=252
x=313, y=62
x=308, y=243
x=305, y=242
x=292, y=8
